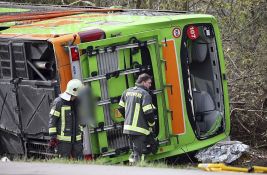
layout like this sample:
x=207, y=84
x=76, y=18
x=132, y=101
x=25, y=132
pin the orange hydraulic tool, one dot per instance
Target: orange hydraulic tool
x=222, y=167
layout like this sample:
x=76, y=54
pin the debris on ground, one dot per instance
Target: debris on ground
x=5, y=159
x=222, y=152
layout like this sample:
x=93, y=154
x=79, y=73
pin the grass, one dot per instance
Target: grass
x=99, y=161
x=102, y=161
x=153, y=164
x=10, y=10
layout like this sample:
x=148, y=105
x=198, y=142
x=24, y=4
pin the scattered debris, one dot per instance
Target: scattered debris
x=5, y=159
x=222, y=152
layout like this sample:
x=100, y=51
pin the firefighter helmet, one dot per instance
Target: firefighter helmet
x=73, y=87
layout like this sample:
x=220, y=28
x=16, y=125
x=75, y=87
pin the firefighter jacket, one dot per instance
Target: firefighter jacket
x=137, y=104
x=63, y=122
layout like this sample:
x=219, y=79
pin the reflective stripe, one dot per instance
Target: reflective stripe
x=136, y=114
x=78, y=137
x=55, y=113
x=154, y=107
x=68, y=138
x=151, y=124
x=63, y=118
x=81, y=128
x=136, y=129
x=52, y=130
x=147, y=107
x=134, y=94
x=64, y=138
x=122, y=103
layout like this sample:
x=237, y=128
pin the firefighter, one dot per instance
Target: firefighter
x=137, y=108
x=64, y=129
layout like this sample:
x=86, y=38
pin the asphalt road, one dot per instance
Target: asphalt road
x=30, y=168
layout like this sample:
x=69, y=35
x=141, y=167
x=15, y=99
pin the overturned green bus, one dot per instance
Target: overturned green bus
x=107, y=51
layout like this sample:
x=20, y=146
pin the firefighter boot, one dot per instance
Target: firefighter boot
x=134, y=159
x=142, y=161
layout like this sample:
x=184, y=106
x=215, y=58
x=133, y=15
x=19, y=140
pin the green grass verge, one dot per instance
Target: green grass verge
x=9, y=10
x=99, y=161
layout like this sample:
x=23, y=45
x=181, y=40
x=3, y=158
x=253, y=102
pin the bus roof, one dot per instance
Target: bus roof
x=105, y=21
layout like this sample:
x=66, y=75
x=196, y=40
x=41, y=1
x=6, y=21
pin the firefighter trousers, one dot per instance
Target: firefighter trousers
x=70, y=150
x=138, y=143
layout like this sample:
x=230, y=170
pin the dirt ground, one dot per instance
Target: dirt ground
x=256, y=157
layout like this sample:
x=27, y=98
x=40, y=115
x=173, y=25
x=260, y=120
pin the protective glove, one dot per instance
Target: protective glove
x=152, y=144
x=152, y=132
x=53, y=142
